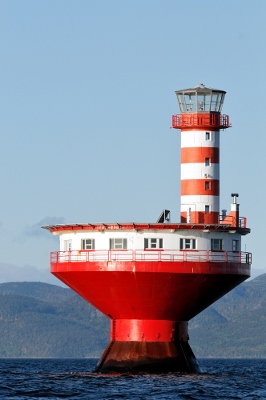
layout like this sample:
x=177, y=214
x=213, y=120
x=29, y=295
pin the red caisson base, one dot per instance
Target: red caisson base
x=148, y=304
x=148, y=346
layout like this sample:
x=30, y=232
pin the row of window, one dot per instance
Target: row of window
x=120, y=243
x=152, y=243
x=216, y=244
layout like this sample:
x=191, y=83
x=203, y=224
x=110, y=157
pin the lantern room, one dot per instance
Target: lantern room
x=200, y=99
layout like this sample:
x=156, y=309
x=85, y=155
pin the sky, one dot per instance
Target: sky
x=87, y=91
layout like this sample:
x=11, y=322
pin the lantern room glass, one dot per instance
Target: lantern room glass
x=200, y=100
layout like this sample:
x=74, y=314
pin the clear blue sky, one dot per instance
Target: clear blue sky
x=87, y=94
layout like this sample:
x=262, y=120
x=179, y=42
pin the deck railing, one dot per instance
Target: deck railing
x=151, y=255
x=215, y=120
x=230, y=220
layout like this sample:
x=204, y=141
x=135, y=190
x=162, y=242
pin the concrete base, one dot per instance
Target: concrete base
x=149, y=357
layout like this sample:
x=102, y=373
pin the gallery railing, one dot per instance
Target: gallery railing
x=151, y=255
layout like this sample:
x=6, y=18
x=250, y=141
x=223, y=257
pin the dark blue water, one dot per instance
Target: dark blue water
x=73, y=379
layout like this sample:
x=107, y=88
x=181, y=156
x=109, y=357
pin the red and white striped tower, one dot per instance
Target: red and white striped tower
x=200, y=122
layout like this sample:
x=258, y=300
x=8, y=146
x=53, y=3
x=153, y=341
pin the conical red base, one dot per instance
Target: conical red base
x=149, y=357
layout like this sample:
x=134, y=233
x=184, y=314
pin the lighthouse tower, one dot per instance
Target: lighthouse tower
x=151, y=278
x=200, y=122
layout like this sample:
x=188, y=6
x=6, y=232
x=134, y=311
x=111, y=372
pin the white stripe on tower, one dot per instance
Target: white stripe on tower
x=199, y=171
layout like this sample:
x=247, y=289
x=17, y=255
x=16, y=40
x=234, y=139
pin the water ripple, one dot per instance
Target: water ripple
x=73, y=379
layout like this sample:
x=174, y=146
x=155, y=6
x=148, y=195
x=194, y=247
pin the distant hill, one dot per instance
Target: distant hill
x=37, y=290
x=234, y=326
x=42, y=320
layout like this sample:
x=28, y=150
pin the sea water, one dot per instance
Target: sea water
x=75, y=379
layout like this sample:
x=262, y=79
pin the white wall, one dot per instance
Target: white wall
x=135, y=239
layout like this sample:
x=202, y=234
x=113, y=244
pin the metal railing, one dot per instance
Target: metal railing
x=230, y=220
x=151, y=255
x=215, y=120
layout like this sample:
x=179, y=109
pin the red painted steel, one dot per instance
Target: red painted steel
x=197, y=217
x=150, y=301
x=199, y=154
x=197, y=187
x=141, y=330
x=146, y=226
x=188, y=286
x=200, y=121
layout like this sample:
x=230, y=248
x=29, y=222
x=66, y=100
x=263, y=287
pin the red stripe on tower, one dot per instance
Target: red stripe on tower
x=199, y=155
x=199, y=187
x=200, y=122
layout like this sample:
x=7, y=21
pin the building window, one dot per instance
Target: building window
x=207, y=209
x=187, y=244
x=207, y=162
x=207, y=186
x=235, y=245
x=87, y=244
x=153, y=243
x=207, y=136
x=118, y=244
x=217, y=244
x=67, y=245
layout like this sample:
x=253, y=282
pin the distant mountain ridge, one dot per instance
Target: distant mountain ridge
x=43, y=320
x=240, y=330
x=37, y=290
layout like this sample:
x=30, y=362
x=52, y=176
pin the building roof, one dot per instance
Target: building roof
x=200, y=88
x=115, y=226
